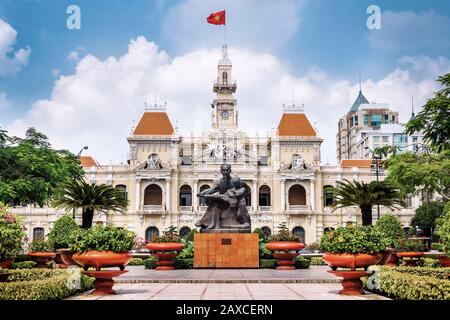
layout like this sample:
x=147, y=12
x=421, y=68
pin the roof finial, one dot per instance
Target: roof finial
x=413, y=115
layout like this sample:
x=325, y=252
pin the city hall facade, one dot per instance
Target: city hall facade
x=165, y=171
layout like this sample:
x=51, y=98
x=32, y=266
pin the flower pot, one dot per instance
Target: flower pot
x=59, y=261
x=413, y=257
x=444, y=261
x=350, y=260
x=103, y=283
x=6, y=264
x=389, y=258
x=165, y=252
x=102, y=259
x=285, y=252
x=42, y=258
x=66, y=257
x=351, y=281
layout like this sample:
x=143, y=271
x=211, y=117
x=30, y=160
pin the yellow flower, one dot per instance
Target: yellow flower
x=341, y=239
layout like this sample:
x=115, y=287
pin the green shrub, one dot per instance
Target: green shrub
x=23, y=265
x=183, y=263
x=63, y=227
x=443, y=224
x=170, y=235
x=40, y=284
x=41, y=246
x=302, y=263
x=188, y=250
x=261, y=234
x=283, y=234
x=407, y=286
x=353, y=239
x=429, y=262
x=407, y=244
x=317, y=261
x=438, y=273
x=102, y=238
x=267, y=263
x=150, y=263
x=190, y=235
x=391, y=227
x=136, y=262
x=22, y=257
x=11, y=234
x=264, y=253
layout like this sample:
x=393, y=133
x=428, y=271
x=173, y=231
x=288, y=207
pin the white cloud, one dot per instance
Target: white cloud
x=4, y=102
x=97, y=105
x=185, y=24
x=409, y=30
x=73, y=56
x=11, y=61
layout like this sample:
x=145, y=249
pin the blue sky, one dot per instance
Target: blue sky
x=326, y=35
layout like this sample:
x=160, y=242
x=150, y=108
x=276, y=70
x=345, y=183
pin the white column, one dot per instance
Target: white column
x=138, y=194
x=194, y=196
x=168, y=194
x=312, y=194
x=282, y=195
x=254, y=194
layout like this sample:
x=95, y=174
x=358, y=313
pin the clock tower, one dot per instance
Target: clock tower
x=224, y=113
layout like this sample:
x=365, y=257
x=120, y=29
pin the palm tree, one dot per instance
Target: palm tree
x=89, y=198
x=365, y=196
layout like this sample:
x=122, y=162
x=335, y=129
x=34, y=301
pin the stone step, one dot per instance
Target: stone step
x=278, y=280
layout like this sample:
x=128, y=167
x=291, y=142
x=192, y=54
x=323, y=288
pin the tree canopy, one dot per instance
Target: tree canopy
x=31, y=170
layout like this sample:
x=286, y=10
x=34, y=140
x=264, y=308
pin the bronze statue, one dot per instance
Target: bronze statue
x=227, y=209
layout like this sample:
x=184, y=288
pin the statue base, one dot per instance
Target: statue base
x=227, y=230
x=226, y=250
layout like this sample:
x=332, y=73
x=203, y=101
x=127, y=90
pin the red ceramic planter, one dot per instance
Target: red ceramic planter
x=6, y=264
x=413, y=257
x=352, y=261
x=103, y=283
x=444, y=261
x=41, y=258
x=66, y=257
x=351, y=282
x=102, y=259
x=285, y=252
x=59, y=261
x=165, y=252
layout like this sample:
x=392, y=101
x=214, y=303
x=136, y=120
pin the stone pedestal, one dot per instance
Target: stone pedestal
x=226, y=250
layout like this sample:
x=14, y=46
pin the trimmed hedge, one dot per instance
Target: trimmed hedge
x=409, y=286
x=183, y=263
x=24, y=265
x=150, y=263
x=439, y=273
x=317, y=261
x=429, y=262
x=136, y=262
x=40, y=284
x=302, y=262
x=267, y=263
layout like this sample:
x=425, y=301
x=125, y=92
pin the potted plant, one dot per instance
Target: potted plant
x=11, y=235
x=353, y=247
x=443, y=226
x=59, y=236
x=41, y=251
x=165, y=248
x=390, y=226
x=285, y=247
x=102, y=246
x=410, y=249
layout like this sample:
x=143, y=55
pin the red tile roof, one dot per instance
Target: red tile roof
x=88, y=161
x=154, y=123
x=356, y=163
x=295, y=124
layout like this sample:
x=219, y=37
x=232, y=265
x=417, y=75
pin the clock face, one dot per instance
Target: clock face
x=225, y=114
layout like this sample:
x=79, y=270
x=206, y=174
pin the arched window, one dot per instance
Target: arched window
x=267, y=231
x=153, y=195
x=328, y=196
x=225, y=78
x=203, y=201
x=300, y=233
x=38, y=234
x=297, y=195
x=123, y=190
x=264, y=196
x=185, y=196
x=184, y=231
x=150, y=233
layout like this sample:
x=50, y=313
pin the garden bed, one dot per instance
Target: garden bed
x=41, y=284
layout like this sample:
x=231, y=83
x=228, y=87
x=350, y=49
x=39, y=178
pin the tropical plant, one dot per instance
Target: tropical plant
x=283, y=234
x=170, y=235
x=188, y=250
x=41, y=246
x=102, y=238
x=62, y=228
x=355, y=239
x=391, y=227
x=408, y=244
x=365, y=196
x=11, y=234
x=427, y=214
x=78, y=194
x=31, y=171
x=443, y=231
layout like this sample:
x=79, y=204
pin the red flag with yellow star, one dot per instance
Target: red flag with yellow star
x=217, y=17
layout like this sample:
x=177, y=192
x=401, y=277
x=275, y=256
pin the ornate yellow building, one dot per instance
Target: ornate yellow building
x=165, y=171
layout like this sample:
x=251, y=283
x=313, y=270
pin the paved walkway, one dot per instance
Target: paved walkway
x=227, y=284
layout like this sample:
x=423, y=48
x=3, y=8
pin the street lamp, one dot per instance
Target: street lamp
x=376, y=168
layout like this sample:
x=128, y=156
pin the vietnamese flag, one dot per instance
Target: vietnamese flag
x=217, y=17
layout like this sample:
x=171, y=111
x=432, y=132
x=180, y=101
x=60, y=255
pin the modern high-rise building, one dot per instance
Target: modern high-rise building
x=362, y=115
